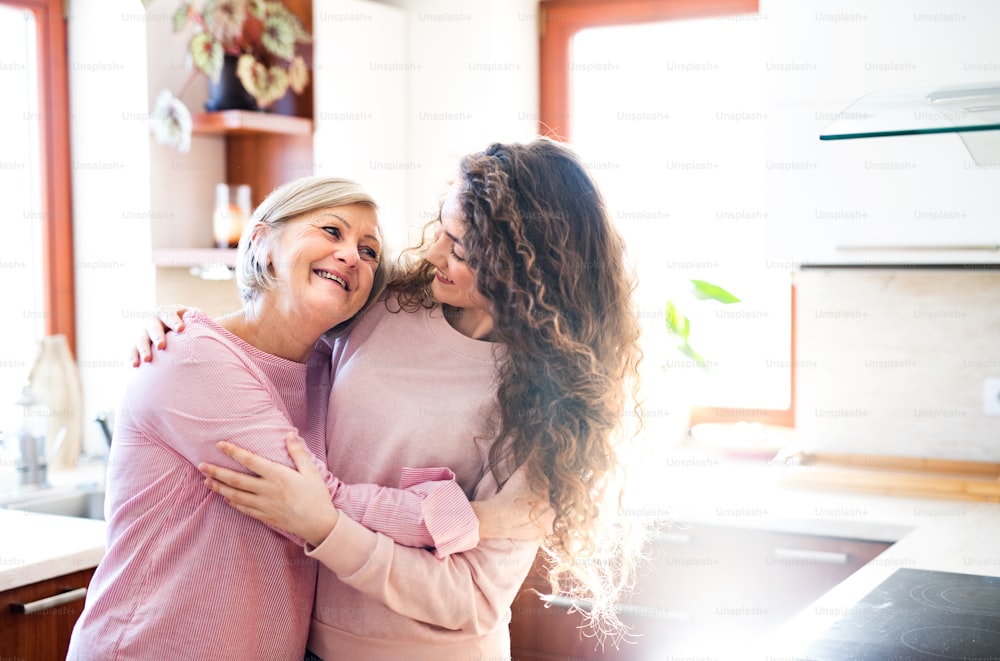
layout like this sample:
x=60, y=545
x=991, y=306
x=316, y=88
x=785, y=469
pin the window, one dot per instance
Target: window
x=667, y=106
x=36, y=255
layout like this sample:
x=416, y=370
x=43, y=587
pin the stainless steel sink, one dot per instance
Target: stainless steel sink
x=82, y=502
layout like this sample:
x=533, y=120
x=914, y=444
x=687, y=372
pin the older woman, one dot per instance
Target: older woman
x=186, y=576
x=509, y=342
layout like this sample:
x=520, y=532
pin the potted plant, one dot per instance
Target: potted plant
x=678, y=324
x=677, y=383
x=249, y=51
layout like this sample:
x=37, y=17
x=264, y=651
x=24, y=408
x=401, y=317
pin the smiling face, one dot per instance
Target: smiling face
x=454, y=282
x=324, y=263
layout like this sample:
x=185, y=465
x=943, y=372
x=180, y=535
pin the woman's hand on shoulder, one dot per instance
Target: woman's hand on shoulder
x=296, y=501
x=168, y=318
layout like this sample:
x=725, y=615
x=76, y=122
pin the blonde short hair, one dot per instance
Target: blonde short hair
x=284, y=204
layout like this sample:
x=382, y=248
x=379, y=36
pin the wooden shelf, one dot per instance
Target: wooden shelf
x=246, y=122
x=188, y=257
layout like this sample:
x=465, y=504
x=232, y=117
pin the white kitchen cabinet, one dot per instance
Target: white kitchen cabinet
x=901, y=199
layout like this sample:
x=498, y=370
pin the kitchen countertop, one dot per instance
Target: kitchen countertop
x=688, y=488
x=927, y=533
x=36, y=547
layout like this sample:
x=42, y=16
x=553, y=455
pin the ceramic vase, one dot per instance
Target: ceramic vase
x=227, y=92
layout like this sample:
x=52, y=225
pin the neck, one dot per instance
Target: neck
x=471, y=323
x=266, y=328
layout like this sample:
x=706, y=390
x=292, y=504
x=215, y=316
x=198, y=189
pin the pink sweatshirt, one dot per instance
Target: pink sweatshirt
x=185, y=575
x=409, y=390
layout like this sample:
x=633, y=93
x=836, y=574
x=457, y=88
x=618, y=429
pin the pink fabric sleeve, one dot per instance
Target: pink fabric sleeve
x=470, y=591
x=202, y=392
x=428, y=510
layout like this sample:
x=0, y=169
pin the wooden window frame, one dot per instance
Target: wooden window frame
x=56, y=167
x=559, y=21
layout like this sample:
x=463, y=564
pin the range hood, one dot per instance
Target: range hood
x=972, y=111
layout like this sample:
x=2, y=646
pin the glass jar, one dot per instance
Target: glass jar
x=32, y=459
x=232, y=210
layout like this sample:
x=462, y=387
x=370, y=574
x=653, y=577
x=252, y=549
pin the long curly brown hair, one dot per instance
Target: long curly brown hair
x=550, y=262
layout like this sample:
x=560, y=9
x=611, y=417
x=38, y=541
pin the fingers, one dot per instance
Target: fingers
x=168, y=317
x=171, y=316
x=156, y=337
x=300, y=454
x=248, y=460
x=151, y=335
x=237, y=499
x=230, y=478
x=142, y=352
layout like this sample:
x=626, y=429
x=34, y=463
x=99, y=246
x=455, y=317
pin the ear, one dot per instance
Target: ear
x=259, y=245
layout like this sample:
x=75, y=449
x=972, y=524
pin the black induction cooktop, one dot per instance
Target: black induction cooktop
x=917, y=615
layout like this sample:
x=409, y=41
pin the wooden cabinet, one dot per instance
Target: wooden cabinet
x=701, y=587
x=263, y=150
x=36, y=620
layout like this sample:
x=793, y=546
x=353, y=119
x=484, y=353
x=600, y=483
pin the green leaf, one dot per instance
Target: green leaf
x=706, y=291
x=180, y=17
x=689, y=351
x=278, y=37
x=207, y=54
x=257, y=9
x=677, y=323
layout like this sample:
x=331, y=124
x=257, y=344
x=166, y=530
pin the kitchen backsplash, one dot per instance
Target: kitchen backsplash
x=895, y=361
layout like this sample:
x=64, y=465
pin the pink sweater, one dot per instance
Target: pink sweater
x=185, y=575
x=409, y=390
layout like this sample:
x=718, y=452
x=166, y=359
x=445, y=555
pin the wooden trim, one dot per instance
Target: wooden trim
x=985, y=469
x=245, y=122
x=188, y=257
x=61, y=299
x=560, y=20
x=896, y=476
x=57, y=228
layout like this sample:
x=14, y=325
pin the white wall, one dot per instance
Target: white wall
x=360, y=103
x=111, y=194
x=457, y=75
x=475, y=83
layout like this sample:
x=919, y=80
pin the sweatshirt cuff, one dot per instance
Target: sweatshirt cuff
x=448, y=516
x=347, y=548
x=450, y=520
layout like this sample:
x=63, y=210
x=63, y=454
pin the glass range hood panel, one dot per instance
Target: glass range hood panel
x=964, y=109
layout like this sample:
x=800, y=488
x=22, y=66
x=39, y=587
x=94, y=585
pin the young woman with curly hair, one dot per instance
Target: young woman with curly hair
x=510, y=341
